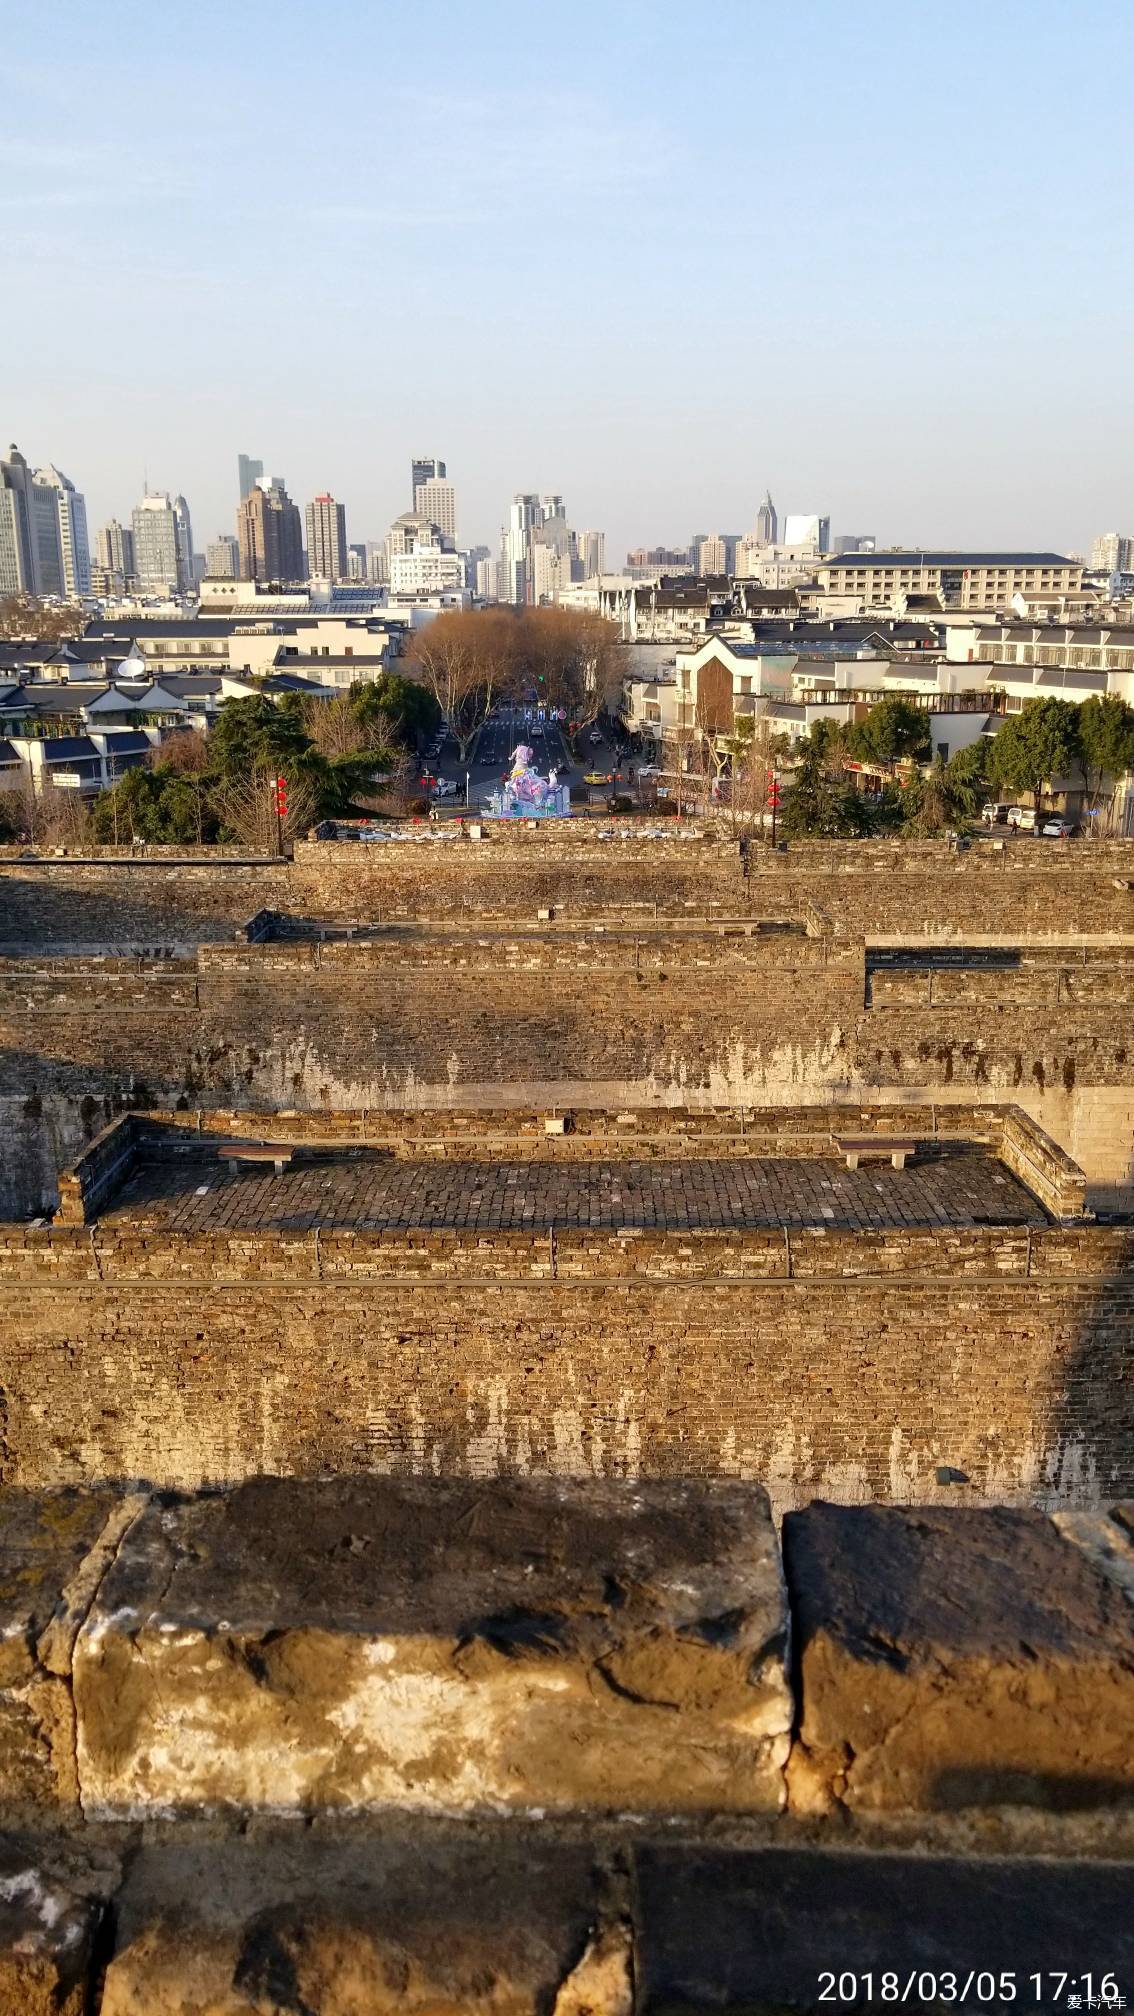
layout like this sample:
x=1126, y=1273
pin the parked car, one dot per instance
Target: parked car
x=650, y=770
x=444, y=788
x=996, y=814
x=595, y=736
x=1057, y=829
x=1022, y=817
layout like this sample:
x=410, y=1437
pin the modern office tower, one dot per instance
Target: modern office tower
x=184, y=542
x=74, y=551
x=163, y=549
x=270, y=533
x=766, y=530
x=250, y=473
x=592, y=553
x=436, y=499
x=222, y=557
x=31, y=548
x=114, y=545
x=525, y=515
x=803, y=528
x=326, y=539
x=424, y=469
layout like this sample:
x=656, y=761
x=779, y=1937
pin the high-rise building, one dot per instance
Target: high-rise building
x=592, y=554
x=712, y=554
x=525, y=515
x=270, y=534
x=74, y=553
x=115, y=549
x=377, y=561
x=437, y=499
x=424, y=469
x=184, y=531
x=326, y=539
x=163, y=547
x=855, y=542
x=766, y=529
x=356, y=563
x=222, y=557
x=33, y=509
x=249, y=472
x=802, y=528
x=1112, y=553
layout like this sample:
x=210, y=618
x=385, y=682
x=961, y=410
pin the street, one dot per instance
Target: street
x=490, y=760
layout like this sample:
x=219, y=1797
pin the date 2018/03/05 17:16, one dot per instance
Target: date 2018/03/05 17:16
x=1040, y=1990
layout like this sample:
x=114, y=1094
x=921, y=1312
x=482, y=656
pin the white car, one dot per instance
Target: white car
x=444, y=788
x=650, y=770
x=1057, y=829
x=595, y=736
x=1022, y=817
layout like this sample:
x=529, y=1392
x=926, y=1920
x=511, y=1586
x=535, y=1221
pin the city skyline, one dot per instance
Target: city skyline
x=890, y=352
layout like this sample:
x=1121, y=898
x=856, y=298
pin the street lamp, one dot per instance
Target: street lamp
x=466, y=790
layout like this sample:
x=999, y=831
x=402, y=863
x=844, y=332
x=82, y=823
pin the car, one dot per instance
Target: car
x=995, y=814
x=445, y=788
x=599, y=777
x=1057, y=829
x=1022, y=817
x=650, y=770
x=594, y=737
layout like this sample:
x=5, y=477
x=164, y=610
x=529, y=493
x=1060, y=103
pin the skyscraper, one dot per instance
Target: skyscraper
x=1112, y=553
x=436, y=499
x=767, y=523
x=592, y=553
x=424, y=469
x=222, y=557
x=184, y=532
x=808, y=529
x=326, y=539
x=73, y=570
x=270, y=533
x=163, y=551
x=33, y=510
x=250, y=473
x=115, y=550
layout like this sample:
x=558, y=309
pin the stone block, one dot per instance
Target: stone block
x=53, y=1548
x=770, y=1930
x=47, y=1930
x=956, y=1659
x=367, y=1642
x=430, y=1920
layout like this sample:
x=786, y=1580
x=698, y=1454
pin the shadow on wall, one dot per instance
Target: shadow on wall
x=134, y=907
x=1092, y=1393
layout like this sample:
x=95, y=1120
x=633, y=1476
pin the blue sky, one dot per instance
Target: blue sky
x=656, y=257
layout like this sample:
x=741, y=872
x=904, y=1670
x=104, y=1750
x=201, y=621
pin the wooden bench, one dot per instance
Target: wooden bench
x=256, y=1151
x=874, y=1148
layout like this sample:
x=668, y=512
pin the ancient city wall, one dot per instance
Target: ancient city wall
x=848, y=1364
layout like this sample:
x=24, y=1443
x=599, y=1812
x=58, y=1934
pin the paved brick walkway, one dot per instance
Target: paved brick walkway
x=370, y=1191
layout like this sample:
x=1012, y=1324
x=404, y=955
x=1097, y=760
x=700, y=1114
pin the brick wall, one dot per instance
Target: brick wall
x=847, y=1365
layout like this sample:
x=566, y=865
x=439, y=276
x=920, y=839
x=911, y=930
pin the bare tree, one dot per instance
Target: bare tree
x=466, y=659
x=47, y=818
x=247, y=808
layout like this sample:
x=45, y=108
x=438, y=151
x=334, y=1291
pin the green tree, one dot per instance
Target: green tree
x=404, y=703
x=928, y=806
x=1035, y=745
x=966, y=777
x=892, y=730
x=819, y=806
x=1106, y=742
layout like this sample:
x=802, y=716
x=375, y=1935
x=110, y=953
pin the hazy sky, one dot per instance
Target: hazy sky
x=877, y=255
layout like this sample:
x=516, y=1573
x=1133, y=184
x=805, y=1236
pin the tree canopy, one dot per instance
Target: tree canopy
x=1039, y=743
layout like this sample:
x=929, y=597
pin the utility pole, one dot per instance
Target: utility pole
x=279, y=800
